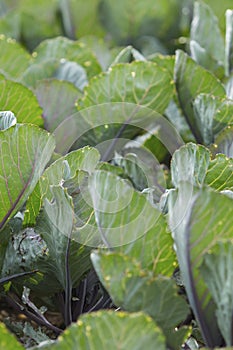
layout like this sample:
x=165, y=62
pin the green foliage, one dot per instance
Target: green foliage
x=7, y=340
x=207, y=44
x=151, y=86
x=216, y=270
x=191, y=81
x=21, y=101
x=56, y=111
x=13, y=52
x=125, y=20
x=127, y=331
x=116, y=183
x=25, y=151
x=134, y=289
x=73, y=51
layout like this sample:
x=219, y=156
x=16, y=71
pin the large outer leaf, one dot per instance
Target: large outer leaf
x=192, y=80
x=55, y=110
x=208, y=219
x=24, y=153
x=219, y=174
x=154, y=251
x=21, y=101
x=78, y=52
x=7, y=340
x=217, y=273
x=206, y=38
x=212, y=114
x=64, y=168
x=109, y=330
x=55, y=225
x=190, y=163
x=166, y=62
x=14, y=59
x=134, y=289
x=122, y=214
x=143, y=83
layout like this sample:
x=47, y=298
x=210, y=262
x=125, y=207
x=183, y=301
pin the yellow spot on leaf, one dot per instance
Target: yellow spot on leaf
x=88, y=328
x=11, y=41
